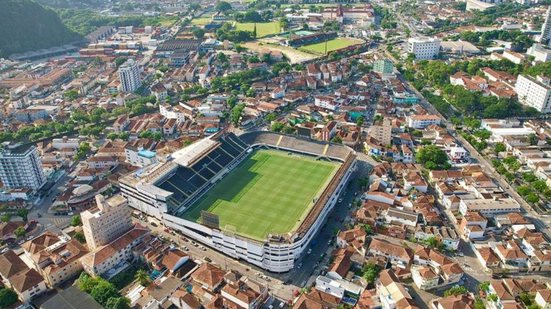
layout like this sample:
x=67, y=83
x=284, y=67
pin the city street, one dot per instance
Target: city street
x=40, y=212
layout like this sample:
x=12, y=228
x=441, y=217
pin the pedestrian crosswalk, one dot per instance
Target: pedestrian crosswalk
x=60, y=222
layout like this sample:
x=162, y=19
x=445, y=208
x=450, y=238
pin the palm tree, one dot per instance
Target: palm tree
x=142, y=277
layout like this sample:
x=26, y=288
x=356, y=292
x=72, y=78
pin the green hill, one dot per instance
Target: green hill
x=26, y=25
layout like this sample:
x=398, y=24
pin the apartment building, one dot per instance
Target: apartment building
x=115, y=254
x=20, y=167
x=129, y=76
x=382, y=133
x=109, y=220
x=545, y=37
x=424, y=48
x=534, y=92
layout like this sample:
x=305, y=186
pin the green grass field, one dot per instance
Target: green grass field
x=201, y=21
x=334, y=44
x=262, y=29
x=270, y=192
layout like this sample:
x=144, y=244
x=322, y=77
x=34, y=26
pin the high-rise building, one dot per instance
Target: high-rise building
x=20, y=167
x=424, y=48
x=129, y=75
x=107, y=222
x=535, y=92
x=545, y=37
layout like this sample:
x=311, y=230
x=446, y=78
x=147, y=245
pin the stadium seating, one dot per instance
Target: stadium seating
x=187, y=182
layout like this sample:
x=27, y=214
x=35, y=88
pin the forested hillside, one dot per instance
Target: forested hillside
x=26, y=25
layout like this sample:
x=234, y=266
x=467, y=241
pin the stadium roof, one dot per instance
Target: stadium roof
x=188, y=155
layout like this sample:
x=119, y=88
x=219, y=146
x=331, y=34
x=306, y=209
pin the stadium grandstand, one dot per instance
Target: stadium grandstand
x=298, y=41
x=260, y=197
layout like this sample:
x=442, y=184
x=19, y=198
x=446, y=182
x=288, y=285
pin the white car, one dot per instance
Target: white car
x=309, y=251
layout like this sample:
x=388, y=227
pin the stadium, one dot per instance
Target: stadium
x=260, y=197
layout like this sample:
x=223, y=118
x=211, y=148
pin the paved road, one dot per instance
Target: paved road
x=46, y=219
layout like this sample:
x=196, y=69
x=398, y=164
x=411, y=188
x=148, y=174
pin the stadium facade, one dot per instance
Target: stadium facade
x=168, y=189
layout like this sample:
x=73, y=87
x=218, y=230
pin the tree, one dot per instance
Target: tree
x=337, y=139
x=76, y=220
x=70, y=95
x=222, y=57
x=117, y=303
x=360, y=121
x=236, y=113
x=533, y=139
x=433, y=157
x=472, y=123
x=270, y=117
x=529, y=177
x=80, y=237
x=23, y=213
x=532, y=198
x=83, y=149
x=370, y=272
x=484, y=286
x=142, y=277
x=432, y=242
x=479, y=304
x=223, y=6
x=8, y=297
x=20, y=231
x=198, y=32
x=524, y=190
x=540, y=186
x=455, y=291
x=103, y=291
x=277, y=126
x=368, y=229
x=5, y=218
x=86, y=283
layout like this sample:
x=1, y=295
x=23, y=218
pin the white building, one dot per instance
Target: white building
x=177, y=112
x=115, y=254
x=534, y=92
x=20, y=167
x=140, y=157
x=539, y=52
x=65, y=143
x=514, y=57
x=489, y=207
x=543, y=299
x=129, y=76
x=424, y=48
x=108, y=221
x=422, y=121
x=326, y=102
x=545, y=37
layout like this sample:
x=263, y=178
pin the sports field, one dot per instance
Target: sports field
x=334, y=44
x=262, y=29
x=270, y=192
x=201, y=21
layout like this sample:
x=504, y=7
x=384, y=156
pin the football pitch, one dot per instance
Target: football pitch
x=334, y=44
x=262, y=29
x=270, y=192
